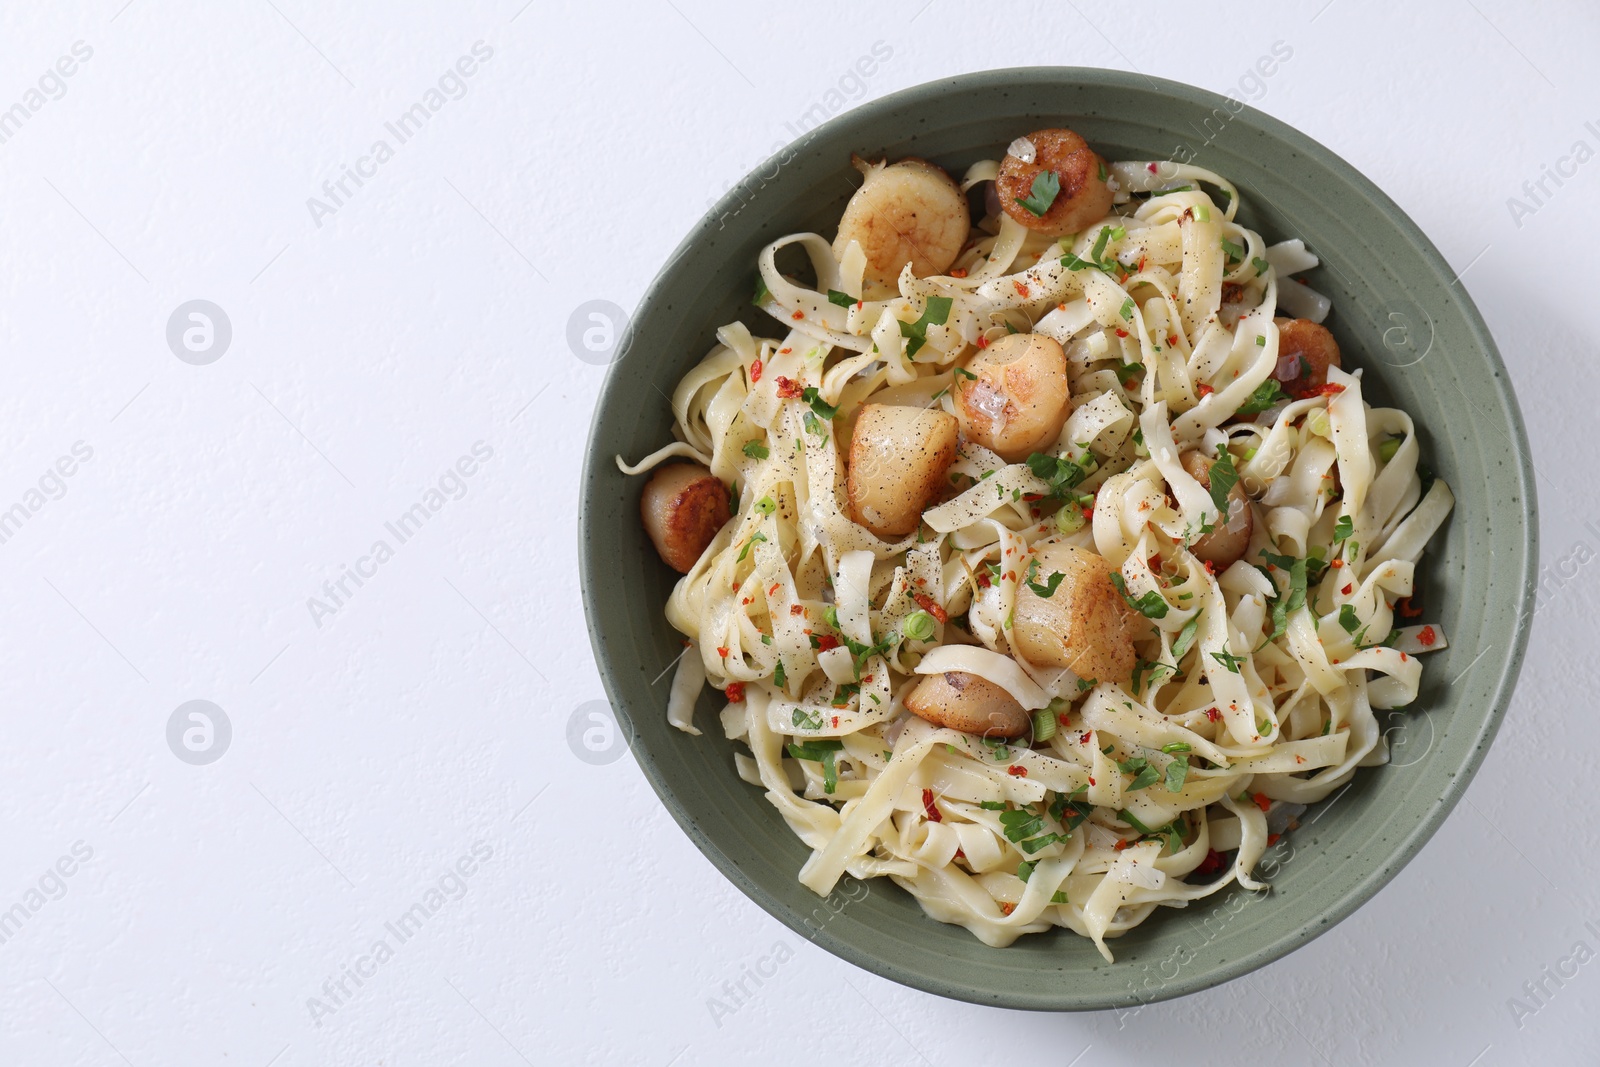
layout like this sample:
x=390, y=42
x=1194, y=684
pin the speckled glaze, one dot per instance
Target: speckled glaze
x=1397, y=314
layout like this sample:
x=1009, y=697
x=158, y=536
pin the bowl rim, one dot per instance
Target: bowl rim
x=1403, y=849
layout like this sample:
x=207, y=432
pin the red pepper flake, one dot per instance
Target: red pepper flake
x=983, y=341
x=1272, y=839
x=1403, y=657
x=931, y=606
x=798, y=315
x=1151, y=167
x=983, y=578
x=1083, y=738
x=1331, y=389
x=1091, y=780
x=928, y=807
x=959, y=272
x=836, y=722
x=755, y=371
x=1211, y=568
x=1407, y=608
x=734, y=692
x=1006, y=907
x=1346, y=590
x=920, y=581
x=1010, y=576
x=1122, y=333
x=1204, y=390
x=788, y=388
x=826, y=642
x=1212, y=864
x=1061, y=717
x=1172, y=338
x=784, y=351
x=722, y=651
x=960, y=855
x=1022, y=290
x=1213, y=714
x=1337, y=563
x=774, y=588
x=1426, y=637
x=1261, y=800
x=1123, y=844
x=1017, y=770
x=797, y=609
x=747, y=600
x=1299, y=759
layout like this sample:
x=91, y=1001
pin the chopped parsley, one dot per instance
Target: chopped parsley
x=1046, y=590
x=1228, y=660
x=823, y=409
x=806, y=720
x=935, y=313
x=844, y=300
x=1177, y=774
x=1186, y=637
x=1234, y=252
x=745, y=551
x=1348, y=619
x=763, y=294
x=823, y=751
x=755, y=450
x=1127, y=310
x=1260, y=265
x=779, y=680
x=1343, y=529
x=1267, y=394
x=1151, y=605
x=1223, y=478
x=1043, y=192
x=993, y=805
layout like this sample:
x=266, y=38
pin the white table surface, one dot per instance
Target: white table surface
x=378, y=740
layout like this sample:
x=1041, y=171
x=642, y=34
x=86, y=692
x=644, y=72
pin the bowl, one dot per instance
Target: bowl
x=1399, y=312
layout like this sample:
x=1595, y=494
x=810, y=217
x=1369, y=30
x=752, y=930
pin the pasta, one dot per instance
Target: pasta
x=1047, y=572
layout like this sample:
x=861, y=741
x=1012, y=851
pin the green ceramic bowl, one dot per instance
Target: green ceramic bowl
x=1398, y=313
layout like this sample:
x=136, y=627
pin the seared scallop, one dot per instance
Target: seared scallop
x=1085, y=625
x=1227, y=541
x=1305, y=352
x=906, y=212
x=1060, y=190
x=1013, y=395
x=683, y=507
x=966, y=702
x=898, y=460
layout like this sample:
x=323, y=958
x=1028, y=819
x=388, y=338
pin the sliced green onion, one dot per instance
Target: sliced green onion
x=1070, y=518
x=919, y=626
x=1387, y=448
x=1044, y=724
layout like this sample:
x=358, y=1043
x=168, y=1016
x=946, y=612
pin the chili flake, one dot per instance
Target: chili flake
x=797, y=609
x=1426, y=637
x=755, y=371
x=788, y=388
x=931, y=606
x=798, y=315
x=1017, y=770
x=1261, y=800
x=734, y=692
x=826, y=642
x=933, y=813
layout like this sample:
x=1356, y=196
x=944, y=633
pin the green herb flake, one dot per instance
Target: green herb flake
x=755, y=450
x=935, y=313
x=1042, y=193
x=1151, y=605
x=1348, y=619
x=844, y=300
x=1265, y=396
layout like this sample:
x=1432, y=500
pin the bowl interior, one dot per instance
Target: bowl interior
x=1397, y=314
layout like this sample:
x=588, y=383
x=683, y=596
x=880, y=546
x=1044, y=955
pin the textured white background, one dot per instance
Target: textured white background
x=430, y=710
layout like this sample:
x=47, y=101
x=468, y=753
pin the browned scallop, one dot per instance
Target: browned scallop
x=1225, y=544
x=966, y=702
x=1083, y=197
x=1085, y=626
x=898, y=459
x=906, y=212
x=1018, y=398
x=683, y=507
x=1305, y=352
